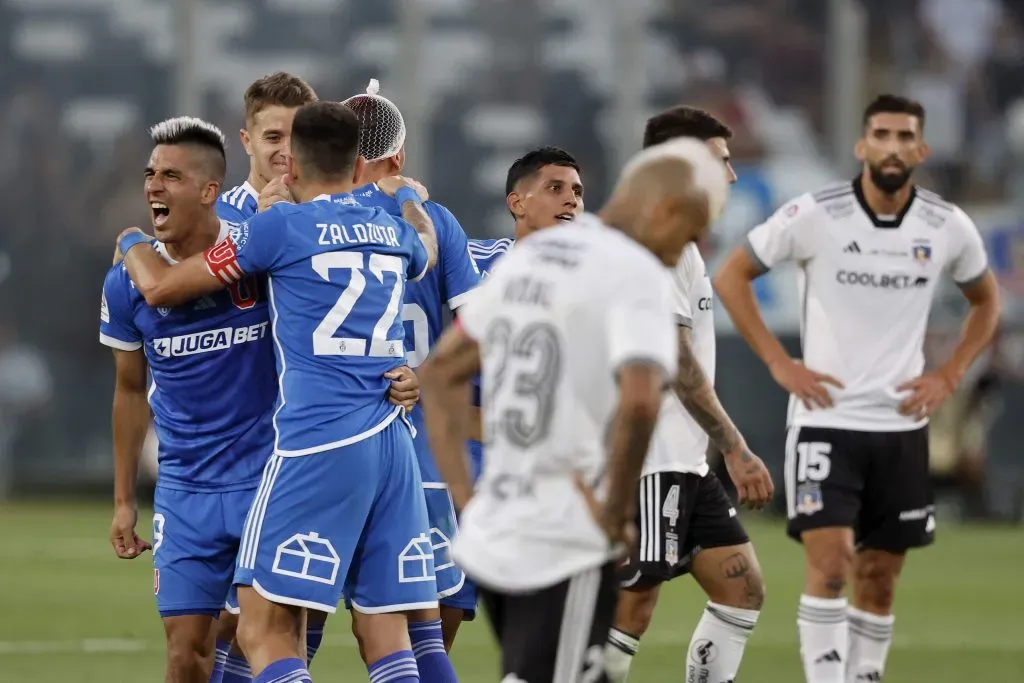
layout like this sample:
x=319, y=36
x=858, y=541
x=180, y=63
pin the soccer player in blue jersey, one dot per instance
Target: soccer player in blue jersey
x=270, y=106
x=382, y=145
x=211, y=387
x=542, y=188
x=339, y=508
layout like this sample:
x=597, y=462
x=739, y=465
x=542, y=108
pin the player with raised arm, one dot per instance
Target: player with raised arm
x=685, y=520
x=870, y=253
x=574, y=335
x=212, y=387
x=270, y=106
x=342, y=490
x=382, y=145
x=543, y=188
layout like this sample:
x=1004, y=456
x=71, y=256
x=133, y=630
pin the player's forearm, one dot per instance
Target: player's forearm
x=444, y=408
x=698, y=396
x=735, y=292
x=130, y=424
x=149, y=271
x=978, y=329
x=630, y=438
x=415, y=215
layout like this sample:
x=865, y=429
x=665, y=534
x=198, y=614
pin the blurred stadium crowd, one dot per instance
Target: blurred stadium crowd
x=82, y=79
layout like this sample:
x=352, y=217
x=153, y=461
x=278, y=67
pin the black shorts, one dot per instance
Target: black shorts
x=678, y=515
x=876, y=483
x=557, y=634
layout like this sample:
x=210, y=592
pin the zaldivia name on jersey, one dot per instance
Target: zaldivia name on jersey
x=208, y=340
x=358, y=233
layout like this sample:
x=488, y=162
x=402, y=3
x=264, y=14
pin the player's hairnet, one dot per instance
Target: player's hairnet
x=382, y=132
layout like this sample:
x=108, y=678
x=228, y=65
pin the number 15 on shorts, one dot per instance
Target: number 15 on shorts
x=808, y=464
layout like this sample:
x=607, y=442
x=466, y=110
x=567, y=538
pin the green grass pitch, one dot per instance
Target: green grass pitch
x=70, y=611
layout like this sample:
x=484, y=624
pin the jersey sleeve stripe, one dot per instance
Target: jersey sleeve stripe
x=754, y=257
x=970, y=282
x=119, y=344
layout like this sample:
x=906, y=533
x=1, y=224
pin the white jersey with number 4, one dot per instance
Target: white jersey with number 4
x=555, y=320
x=680, y=444
x=866, y=284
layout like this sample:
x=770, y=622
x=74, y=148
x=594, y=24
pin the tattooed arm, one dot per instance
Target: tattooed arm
x=698, y=396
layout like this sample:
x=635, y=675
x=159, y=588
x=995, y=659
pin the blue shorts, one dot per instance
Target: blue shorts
x=347, y=521
x=195, y=543
x=453, y=588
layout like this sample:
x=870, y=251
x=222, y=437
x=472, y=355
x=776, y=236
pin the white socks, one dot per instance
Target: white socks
x=870, y=638
x=715, y=652
x=716, y=648
x=824, y=638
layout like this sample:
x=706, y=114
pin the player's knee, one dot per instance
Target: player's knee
x=189, y=647
x=635, y=611
x=745, y=594
x=875, y=582
x=829, y=562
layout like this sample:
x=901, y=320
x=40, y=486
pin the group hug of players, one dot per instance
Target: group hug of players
x=272, y=331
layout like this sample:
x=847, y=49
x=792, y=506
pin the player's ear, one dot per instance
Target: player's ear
x=357, y=169
x=514, y=202
x=859, y=150
x=243, y=135
x=925, y=151
x=290, y=163
x=398, y=161
x=209, y=193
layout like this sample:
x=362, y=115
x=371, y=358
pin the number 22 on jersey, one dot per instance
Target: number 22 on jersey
x=324, y=341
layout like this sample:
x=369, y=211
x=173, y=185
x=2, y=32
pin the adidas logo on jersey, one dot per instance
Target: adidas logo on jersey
x=852, y=248
x=203, y=303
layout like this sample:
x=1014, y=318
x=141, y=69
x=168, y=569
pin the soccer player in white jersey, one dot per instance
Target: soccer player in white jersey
x=270, y=106
x=575, y=338
x=870, y=254
x=685, y=520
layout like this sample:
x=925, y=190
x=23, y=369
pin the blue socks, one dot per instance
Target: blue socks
x=431, y=659
x=286, y=671
x=218, y=661
x=397, y=667
x=236, y=669
x=314, y=636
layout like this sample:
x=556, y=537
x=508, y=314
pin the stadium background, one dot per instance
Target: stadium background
x=479, y=82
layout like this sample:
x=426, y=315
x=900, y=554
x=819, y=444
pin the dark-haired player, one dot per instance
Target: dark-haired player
x=212, y=392
x=339, y=508
x=270, y=106
x=542, y=188
x=870, y=254
x=686, y=523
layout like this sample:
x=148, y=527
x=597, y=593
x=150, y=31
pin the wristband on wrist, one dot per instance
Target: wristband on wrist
x=407, y=194
x=130, y=240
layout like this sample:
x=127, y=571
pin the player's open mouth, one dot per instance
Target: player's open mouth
x=160, y=213
x=565, y=217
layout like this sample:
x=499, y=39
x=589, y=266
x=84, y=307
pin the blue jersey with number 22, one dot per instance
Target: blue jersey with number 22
x=447, y=284
x=336, y=279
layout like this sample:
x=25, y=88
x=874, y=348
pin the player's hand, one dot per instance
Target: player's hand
x=405, y=387
x=754, y=485
x=277, y=190
x=390, y=185
x=927, y=393
x=804, y=383
x=126, y=542
x=118, y=256
x=617, y=528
